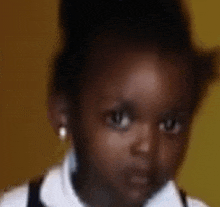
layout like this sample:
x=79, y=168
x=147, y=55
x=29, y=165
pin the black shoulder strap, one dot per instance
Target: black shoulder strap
x=183, y=197
x=34, y=193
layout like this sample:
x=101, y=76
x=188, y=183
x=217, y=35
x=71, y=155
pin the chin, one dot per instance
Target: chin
x=144, y=188
x=139, y=197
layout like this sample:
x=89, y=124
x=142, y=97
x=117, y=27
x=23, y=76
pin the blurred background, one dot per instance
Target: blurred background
x=28, y=38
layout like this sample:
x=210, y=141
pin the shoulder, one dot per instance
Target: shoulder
x=18, y=197
x=193, y=202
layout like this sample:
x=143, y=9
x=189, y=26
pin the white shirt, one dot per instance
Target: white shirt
x=57, y=191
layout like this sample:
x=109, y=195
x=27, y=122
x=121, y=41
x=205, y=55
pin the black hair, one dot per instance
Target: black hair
x=163, y=23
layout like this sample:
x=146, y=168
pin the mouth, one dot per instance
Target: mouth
x=140, y=185
x=139, y=178
x=146, y=181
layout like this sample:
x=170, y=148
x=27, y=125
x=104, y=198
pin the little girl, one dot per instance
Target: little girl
x=124, y=89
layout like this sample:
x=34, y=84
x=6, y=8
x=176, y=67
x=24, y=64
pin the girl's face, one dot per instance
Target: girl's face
x=135, y=117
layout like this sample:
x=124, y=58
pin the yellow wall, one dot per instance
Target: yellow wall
x=200, y=174
x=28, y=36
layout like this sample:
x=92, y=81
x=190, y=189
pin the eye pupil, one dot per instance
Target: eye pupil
x=170, y=124
x=117, y=117
x=119, y=120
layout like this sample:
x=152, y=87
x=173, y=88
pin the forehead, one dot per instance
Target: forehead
x=138, y=75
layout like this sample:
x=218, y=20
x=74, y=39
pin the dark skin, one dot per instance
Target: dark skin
x=133, y=127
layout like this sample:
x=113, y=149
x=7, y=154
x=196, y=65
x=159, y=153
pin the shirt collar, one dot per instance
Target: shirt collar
x=166, y=197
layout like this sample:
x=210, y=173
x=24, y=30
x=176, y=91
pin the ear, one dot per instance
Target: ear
x=57, y=112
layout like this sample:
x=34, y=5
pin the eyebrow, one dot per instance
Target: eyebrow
x=131, y=106
x=177, y=112
x=117, y=103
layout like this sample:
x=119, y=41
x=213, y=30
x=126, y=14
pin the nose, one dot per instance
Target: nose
x=146, y=141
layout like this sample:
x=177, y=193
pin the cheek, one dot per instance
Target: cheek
x=106, y=148
x=110, y=150
x=172, y=153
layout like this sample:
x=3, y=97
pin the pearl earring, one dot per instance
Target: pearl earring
x=62, y=133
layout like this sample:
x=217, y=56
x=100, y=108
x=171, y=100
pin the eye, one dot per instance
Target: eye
x=170, y=126
x=119, y=120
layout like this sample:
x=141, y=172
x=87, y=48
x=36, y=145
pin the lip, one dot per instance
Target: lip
x=139, y=177
x=142, y=182
x=139, y=180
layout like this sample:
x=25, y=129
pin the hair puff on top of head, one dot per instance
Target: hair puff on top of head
x=162, y=23
x=161, y=18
